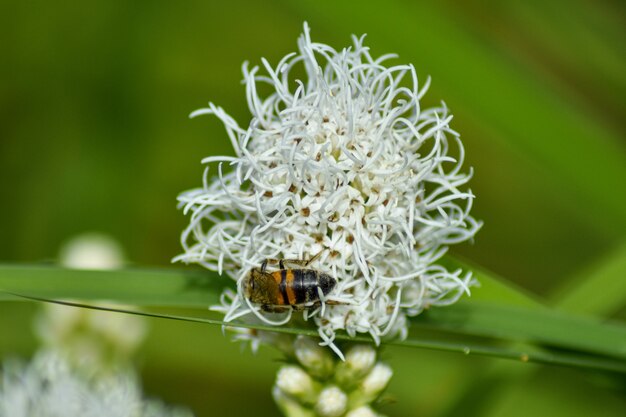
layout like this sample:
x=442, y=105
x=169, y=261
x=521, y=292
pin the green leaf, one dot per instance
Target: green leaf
x=540, y=327
x=600, y=290
x=470, y=347
x=194, y=291
x=491, y=287
x=142, y=287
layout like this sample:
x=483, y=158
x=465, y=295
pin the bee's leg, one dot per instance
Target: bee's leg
x=302, y=262
x=317, y=255
x=298, y=262
x=275, y=309
x=280, y=263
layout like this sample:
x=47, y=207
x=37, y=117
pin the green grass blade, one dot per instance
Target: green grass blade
x=539, y=327
x=187, y=288
x=143, y=287
x=486, y=317
x=530, y=355
x=492, y=287
x=601, y=290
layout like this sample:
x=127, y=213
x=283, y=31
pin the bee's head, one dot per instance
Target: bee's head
x=249, y=284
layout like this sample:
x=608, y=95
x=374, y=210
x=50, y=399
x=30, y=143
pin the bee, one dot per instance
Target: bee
x=286, y=288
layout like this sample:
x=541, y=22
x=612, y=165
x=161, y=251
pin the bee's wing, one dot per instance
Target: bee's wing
x=265, y=280
x=265, y=289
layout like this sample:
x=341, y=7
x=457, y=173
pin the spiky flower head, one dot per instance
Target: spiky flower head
x=339, y=158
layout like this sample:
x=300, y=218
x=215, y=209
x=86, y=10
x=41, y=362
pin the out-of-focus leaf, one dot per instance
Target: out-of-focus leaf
x=539, y=327
x=142, y=287
x=492, y=287
x=601, y=290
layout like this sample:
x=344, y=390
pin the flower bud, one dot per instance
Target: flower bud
x=372, y=386
x=377, y=380
x=362, y=412
x=359, y=361
x=294, y=381
x=289, y=406
x=316, y=359
x=332, y=402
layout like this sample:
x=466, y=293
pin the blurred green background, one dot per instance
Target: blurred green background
x=94, y=136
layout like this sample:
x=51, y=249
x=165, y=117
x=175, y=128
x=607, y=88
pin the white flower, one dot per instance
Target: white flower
x=92, y=251
x=90, y=338
x=49, y=388
x=344, y=160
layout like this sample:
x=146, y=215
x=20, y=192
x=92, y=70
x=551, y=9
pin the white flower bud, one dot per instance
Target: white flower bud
x=315, y=358
x=332, y=402
x=364, y=411
x=377, y=380
x=359, y=361
x=294, y=381
x=289, y=406
x=361, y=358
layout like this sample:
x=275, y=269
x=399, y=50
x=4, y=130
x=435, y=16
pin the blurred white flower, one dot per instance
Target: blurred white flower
x=339, y=157
x=91, y=251
x=90, y=338
x=48, y=387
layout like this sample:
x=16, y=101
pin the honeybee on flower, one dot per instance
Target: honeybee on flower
x=343, y=162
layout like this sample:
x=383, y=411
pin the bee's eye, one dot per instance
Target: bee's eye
x=252, y=283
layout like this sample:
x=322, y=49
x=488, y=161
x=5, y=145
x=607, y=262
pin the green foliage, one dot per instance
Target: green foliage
x=590, y=343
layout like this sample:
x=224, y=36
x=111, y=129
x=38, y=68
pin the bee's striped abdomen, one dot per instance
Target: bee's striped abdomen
x=306, y=285
x=284, y=279
x=301, y=286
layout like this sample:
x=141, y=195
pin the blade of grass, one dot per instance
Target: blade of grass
x=601, y=290
x=492, y=287
x=192, y=290
x=175, y=287
x=529, y=355
x=546, y=327
x=157, y=287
